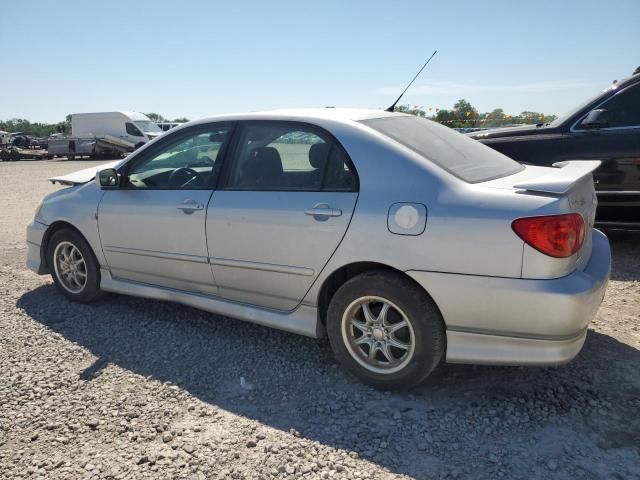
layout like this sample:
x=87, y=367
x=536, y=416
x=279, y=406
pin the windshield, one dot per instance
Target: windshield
x=148, y=126
x=459, y=155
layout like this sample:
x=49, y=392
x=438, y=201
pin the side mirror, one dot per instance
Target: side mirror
x=108, y=178
x=597, y=118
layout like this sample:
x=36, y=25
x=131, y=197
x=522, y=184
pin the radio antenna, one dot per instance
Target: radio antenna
x=392, y=107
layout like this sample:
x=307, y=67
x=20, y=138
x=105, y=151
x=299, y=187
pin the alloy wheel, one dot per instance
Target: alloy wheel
x=70, y=267
x=378, y=334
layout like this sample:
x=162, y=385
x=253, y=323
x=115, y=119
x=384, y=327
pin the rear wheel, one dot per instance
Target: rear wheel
x=73, y=266
x=385, y=330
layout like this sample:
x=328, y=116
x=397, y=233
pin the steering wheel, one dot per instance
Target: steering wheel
x=182, y=175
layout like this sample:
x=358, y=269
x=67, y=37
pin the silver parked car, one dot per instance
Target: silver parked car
x=405, y=242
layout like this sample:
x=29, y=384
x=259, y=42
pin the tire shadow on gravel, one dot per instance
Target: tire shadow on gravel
x=625, y=252
x=292, y=383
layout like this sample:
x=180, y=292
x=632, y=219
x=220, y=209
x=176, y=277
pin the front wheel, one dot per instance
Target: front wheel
x=385, y=330
x=73, y=266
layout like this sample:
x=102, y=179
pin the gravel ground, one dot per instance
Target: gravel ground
x=133, y=388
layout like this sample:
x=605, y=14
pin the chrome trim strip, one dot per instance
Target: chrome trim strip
x=617, y=192
x=266, y=267
x=303, y=320
x=150, y=253
x=619, y=224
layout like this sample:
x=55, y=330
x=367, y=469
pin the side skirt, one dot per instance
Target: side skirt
x=303, y=320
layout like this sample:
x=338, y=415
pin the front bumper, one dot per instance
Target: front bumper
x=509, y=321
x=35, y=260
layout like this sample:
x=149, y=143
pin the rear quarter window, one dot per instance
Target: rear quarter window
x=463, y=157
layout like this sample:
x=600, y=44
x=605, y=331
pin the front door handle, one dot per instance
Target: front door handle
x=190, y=206
x=322, y=211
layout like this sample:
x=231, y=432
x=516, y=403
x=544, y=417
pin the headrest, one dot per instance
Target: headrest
x=267, y=159
x=319, y=154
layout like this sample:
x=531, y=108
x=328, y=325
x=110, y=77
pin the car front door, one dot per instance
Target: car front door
x=152, y=228
x=286, y=200
x=618, y=147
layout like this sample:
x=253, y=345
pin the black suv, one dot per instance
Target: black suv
x=605, y=128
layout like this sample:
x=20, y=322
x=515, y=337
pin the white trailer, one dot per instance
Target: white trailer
x=133, y=127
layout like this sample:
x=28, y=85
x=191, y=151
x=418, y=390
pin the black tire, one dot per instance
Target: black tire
x=14, y=156
x=4, y=155
x=427, y=327
x=91, y=290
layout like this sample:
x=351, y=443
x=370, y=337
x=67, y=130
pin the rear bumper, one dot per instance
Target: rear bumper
x=511, y=321
x=35, y=234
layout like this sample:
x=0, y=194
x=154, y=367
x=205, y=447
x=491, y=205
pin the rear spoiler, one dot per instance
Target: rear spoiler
x=561, y=181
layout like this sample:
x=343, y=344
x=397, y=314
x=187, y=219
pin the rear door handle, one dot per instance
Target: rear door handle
x=323, y=211
x=190, y=206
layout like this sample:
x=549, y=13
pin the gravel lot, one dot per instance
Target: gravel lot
x=132, y=388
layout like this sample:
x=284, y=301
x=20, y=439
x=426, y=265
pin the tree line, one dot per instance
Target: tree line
x=462, y=115
x=465, y=115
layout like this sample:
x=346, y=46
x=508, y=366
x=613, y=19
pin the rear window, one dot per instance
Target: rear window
x=459, y=155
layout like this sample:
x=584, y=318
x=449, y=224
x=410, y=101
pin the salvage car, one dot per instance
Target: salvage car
x=605, y=128
x=403, y=241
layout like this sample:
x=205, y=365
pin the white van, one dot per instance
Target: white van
x=132, y=127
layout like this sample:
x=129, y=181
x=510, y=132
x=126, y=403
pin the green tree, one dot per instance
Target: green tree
x=415, y=110
x=465, y=114
x=180, y=120
x=156, y=117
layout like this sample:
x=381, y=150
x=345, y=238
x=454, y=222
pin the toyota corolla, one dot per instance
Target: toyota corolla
x=403, y=241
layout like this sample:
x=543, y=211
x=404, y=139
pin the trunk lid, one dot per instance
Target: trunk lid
x=569, y=186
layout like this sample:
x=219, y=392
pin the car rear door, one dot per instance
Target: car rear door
x=152, y=228
x=286, y=201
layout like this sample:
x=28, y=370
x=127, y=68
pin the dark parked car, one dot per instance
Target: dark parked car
x=605, y=128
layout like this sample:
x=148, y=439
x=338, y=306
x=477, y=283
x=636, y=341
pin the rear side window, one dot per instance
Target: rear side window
x=459, y=155
x=288, y=156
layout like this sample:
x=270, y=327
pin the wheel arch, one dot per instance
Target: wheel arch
x=51, y=230
x=339, y=276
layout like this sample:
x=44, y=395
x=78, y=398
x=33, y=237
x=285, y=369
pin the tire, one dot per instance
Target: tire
x=77, y=291
x=423, y=338
x=4, y=155
x=14, y=156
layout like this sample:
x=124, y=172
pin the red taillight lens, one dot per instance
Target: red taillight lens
x=558, y=236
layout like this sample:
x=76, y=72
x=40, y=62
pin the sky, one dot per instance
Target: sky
x=200, y=58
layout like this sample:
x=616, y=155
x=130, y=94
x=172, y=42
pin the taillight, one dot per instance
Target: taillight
x=558, y=236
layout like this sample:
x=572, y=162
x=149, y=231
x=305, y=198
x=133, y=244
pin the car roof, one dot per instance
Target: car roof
x=345, y=115
x=628, y=81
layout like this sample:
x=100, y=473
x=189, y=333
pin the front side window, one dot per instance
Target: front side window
x=623, y=109
x=133, y=130
x=283, y=156
x=189, y=161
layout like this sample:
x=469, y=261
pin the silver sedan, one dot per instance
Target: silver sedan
x=403, y=241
